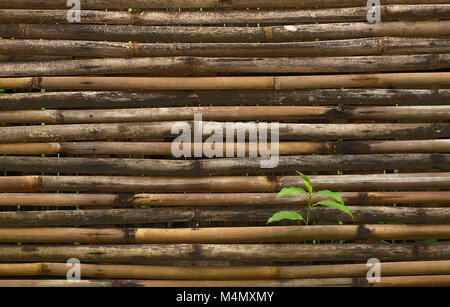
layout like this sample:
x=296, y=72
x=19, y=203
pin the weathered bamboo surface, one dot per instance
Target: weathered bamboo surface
x=397, y=281
x=122, y=99
x=201, y=65
x=217, y=200
x=223, y=166
x=222, y=234
x=170, y=34
x=160, y=18
x=118, y=131
x=236, y=253
x=225, y=273
x=237, y=113
x=205, y=214
x=284, y=148
x=147, y=4
x=406, y=80
x=243, y=184
x=348, y=47
x=87, y=114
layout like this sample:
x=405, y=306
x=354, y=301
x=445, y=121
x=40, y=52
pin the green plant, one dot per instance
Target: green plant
x=290, y=215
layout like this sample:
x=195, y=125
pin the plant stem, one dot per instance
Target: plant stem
x=309, y=208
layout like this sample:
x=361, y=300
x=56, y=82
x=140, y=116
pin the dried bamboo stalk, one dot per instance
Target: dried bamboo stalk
x=205, y=214
x=126, y=99
x=216, y=200
x=285, y=148
x=121, y=131
x=239, y=254
x=397, y=281
x=360, y=46
x=404, y=80
x=222, y=113
x=17, y=57
x=223, y=235
x=196, y=66
x=229, y=17
x=223, y=166
x=147, y=4
x=224, y=273
x=171, y=34
x=247, y=184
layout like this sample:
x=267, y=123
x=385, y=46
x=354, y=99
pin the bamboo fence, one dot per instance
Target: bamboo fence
x=87, y=116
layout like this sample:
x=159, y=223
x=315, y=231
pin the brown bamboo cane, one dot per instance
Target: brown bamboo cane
x=396, y=281
x=223, y=235
x=170, y=34
x=285, y=148
x=223, y=166
x=31, y=58
x=405, y=80
x=217, y=200
x=247, y=184
x=238, y=254
x=62, y=283
x=53, y=218
x=145, y=130
x=267, y=17
x=222, y=113
x=126, y=99
x=146, y=4
x=182, y=66
x=360, y=46
x=224, y=273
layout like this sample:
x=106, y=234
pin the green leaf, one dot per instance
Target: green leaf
x=285, y=215
x=307, y=182
x=291, y=191
x=335, y=205
x=332, y=195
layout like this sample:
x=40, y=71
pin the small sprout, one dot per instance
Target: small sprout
x=337, y=203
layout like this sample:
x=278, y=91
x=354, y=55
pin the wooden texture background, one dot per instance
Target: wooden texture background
x=86, y=112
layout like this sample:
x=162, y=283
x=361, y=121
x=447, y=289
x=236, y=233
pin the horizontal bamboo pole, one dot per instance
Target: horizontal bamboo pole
x=147, y=4
x=158, y=130
x=222, y=113
x=216, y=200
x=247, y=184
x=251, y=199
x=31, y=58
x=126, y=99
x=223, y=166
x=267, y=17
x=397, y=281
x=285, y=148
x=238, y=254
x=170, y=34
x=360, y=46
x=405, y=80
x=224, y=273
x=187, y=214
x=201, y=66
x=223, y=235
